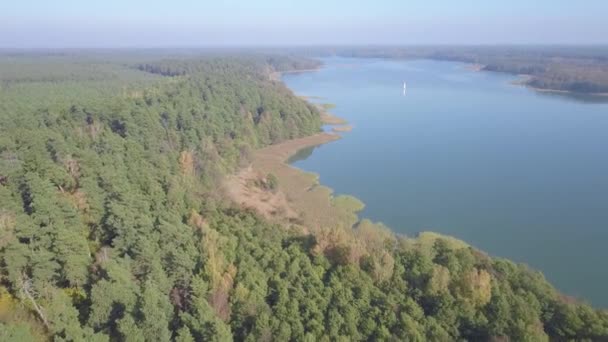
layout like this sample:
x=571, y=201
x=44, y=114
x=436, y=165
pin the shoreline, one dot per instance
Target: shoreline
x=289, y=148
x=566, y=92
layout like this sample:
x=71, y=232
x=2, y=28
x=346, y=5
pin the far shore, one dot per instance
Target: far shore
x=524, y=79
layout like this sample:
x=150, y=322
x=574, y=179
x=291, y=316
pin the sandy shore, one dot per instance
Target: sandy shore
x=281, y=152
x=299, y=199
x=244, y=188
x=343, y=128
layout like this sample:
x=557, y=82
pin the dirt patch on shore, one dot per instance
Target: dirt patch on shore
x=243, y=188
x=299, y=198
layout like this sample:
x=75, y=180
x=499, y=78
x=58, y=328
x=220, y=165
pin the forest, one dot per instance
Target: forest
x=112, y=227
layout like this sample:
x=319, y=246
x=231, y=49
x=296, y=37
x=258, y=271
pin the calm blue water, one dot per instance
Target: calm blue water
x=515, y=173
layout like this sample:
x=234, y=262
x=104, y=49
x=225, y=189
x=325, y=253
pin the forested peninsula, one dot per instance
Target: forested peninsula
x=113, y=226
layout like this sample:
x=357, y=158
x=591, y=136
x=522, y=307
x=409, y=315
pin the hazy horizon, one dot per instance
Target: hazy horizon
x=272, y=23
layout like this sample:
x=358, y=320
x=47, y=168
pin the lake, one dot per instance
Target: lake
x=514, y=172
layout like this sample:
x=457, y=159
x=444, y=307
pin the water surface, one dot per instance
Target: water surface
x=516, y=173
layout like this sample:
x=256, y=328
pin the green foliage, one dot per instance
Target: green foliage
x=15, y=332
x=348, y=202
x=111, y=229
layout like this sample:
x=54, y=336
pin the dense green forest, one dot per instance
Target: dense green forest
x=111, y=228
x=576, y=69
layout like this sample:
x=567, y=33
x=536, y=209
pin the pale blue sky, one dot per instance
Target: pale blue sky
x=155, y=23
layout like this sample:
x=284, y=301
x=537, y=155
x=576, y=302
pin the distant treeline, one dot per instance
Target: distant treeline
x=181, y=67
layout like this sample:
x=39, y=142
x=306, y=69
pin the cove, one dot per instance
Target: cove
x=514, y=172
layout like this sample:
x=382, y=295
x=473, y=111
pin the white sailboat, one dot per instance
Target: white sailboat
x=404, y=88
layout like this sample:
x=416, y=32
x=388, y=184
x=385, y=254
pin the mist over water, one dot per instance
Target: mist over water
x=516, y=173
